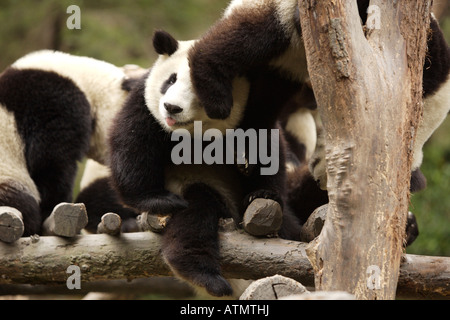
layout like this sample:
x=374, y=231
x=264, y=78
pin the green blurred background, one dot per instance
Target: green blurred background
x=120, y=32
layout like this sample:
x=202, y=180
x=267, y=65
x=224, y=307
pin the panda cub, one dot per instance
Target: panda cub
x=196, y=195
x=267, y=33
x=55, y=108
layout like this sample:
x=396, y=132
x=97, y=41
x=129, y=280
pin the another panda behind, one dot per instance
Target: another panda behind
x=99, y=197
x=55, y=108
x=195, y=195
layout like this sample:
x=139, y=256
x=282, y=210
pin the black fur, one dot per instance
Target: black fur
x=247, y=40
x=54, y=122
x=100, y=198
x=418, y=181
x=139, y=153
x=164, y=43
x=129, y=83
x=14, y=195
x=190, y=241
x=268, y=93
x=168, y=83
x=412, y=229
x=437, y=61
x=304, y=193
x=231, y=48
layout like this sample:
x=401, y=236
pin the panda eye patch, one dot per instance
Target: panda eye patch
x=168, y=83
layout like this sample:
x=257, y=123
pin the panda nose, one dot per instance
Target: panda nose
x=173, y=109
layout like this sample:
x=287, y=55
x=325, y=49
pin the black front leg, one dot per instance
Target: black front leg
x=138, y=156
x=267, y=178
x=232, y=47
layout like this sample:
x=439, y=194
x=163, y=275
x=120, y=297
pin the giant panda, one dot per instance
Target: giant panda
x=147, y=178
x=55, y=108
x=267, y=33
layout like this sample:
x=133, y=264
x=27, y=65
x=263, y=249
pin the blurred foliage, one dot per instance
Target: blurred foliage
x=432, y=206
x=120, y=32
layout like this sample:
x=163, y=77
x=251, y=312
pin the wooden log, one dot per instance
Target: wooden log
x=167, y=286
x=11, y=224
x=273, y=288
x=152, y=222
x=424, y=277
x=263, y=217
x=313, y=226
x=111, y=224
x=322, y=295
x=138, y=255
x=66, y=220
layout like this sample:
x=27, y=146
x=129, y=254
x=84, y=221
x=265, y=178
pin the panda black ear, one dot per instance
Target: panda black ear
x=164, y=43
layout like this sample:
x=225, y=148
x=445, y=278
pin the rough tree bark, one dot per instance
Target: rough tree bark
x=369, y=89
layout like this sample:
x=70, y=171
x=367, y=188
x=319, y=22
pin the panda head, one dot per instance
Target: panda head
x=169, y=93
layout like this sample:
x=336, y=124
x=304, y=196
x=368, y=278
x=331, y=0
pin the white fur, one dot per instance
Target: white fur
x=13, y=166
x=435, y=110
x=93, y=171
x=100, y=81
x=182, y=94
x=284, y=8
x=302, y=126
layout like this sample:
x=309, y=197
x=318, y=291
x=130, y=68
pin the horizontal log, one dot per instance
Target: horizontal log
x=137, y=255
x=165, y=286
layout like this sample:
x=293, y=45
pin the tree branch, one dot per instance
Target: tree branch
x=137, y=255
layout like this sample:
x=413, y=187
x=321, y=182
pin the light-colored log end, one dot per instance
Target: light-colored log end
x=152, y=222
x=111, y=224
x=263, y=217
x=11, y=224
x=273, y=288
x=66, y=220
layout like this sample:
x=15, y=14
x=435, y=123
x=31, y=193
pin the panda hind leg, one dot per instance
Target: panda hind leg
x=19, y=212
x=190, y=243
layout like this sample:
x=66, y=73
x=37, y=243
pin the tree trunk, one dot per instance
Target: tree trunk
x=369, y=89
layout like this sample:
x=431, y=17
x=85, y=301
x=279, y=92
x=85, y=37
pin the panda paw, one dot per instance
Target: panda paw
x=165, y=203
x=218, y=108
x=412, y=229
